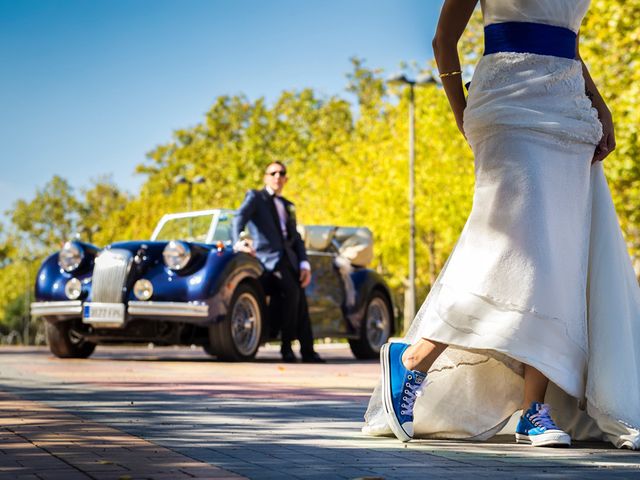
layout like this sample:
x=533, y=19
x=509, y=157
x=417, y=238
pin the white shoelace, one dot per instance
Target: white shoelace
x=542, y=418
x=411, y=393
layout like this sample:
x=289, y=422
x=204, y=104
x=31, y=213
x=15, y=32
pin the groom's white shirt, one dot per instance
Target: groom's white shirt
x=282, y=216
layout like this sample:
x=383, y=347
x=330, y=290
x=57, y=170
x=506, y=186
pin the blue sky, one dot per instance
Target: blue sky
x=89, y=86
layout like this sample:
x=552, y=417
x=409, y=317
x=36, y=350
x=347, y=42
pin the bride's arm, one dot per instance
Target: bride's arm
x=608, y=141
x=454, y=17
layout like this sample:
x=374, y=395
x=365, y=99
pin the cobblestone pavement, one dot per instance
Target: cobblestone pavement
x=168, y=413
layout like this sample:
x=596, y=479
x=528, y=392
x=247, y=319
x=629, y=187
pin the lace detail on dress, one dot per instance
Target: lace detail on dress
x=498, y=68
x=529, y=91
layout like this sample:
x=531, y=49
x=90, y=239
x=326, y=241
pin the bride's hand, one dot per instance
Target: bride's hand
x=608, y=141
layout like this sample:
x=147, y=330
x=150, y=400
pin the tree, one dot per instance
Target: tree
x=98, y=213
x=48, y=220
x=7, y=247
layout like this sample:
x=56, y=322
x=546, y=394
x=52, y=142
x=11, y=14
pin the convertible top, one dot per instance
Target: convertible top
x=353, y=243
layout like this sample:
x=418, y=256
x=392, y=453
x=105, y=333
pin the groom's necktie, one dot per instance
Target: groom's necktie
x=282, y=219
x=274, y=213
x=290, y=254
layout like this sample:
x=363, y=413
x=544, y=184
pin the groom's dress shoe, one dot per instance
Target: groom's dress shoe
x=289, y=357
x=313, y=358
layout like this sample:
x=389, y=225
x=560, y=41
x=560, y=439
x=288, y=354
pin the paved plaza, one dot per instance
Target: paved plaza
x=173, y=413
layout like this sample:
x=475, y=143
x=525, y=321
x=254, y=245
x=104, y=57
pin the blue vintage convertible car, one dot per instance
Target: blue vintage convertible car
x=187, y=286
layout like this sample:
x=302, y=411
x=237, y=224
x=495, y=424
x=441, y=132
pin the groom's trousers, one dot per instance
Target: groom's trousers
x=289, y=306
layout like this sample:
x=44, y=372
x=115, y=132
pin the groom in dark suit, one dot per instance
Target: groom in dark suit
x=277, y=244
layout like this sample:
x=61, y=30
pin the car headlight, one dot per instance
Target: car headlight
x=70, y=257
x=176, y=255
x=73, y=289
x=143, y=289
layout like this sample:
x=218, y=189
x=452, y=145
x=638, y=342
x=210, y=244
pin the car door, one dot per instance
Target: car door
x=326, y=295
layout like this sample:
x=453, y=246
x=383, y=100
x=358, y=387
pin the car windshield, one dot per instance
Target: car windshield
x=191, y=229
x=223, y=228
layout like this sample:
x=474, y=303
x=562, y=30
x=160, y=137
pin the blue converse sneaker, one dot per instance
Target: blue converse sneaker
x=400, y=388
x=537, y=428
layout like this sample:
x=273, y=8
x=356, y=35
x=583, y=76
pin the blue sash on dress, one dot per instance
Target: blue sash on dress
x=527, y=37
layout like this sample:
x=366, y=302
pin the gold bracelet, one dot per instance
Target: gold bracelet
x=449, y=74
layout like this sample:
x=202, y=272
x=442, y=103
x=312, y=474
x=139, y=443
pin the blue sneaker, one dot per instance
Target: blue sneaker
x=537, y=428
x=400, y=388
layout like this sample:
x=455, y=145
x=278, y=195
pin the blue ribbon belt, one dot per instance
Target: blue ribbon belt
x=527, y=37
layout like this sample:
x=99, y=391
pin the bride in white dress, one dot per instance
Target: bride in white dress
x=540, y=285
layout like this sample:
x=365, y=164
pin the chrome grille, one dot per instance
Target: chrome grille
x=110, y=275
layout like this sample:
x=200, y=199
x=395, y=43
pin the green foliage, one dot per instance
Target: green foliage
x=47, y=220
x=7, y=247
x=17, y=280
x=16, y=313
x=98, y=211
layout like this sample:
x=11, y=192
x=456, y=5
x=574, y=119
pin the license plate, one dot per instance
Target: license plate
x=109, y=314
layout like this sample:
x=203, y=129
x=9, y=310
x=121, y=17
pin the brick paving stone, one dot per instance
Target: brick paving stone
x=30, y=476
x=53, y=475
x=27, y=448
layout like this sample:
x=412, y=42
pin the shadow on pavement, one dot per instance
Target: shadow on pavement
x=312, y=437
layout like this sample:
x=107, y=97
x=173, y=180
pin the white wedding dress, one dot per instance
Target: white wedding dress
x=540, y=274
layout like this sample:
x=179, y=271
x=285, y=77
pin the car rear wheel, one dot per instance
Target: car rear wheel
x=375, y=329
x=238, y=336
x=66, y=342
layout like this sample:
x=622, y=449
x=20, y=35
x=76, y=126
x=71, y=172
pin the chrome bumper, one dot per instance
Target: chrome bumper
x=168, y=309
x=71, y=308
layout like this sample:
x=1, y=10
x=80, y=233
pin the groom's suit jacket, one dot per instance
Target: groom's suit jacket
x=258, y=213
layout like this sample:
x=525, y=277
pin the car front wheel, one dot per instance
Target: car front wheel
x=238, y=336
x=66, y=342
x=375, y=329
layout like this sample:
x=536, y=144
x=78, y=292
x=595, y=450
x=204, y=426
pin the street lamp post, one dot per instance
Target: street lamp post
x=410, y=295
x=182, y=180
